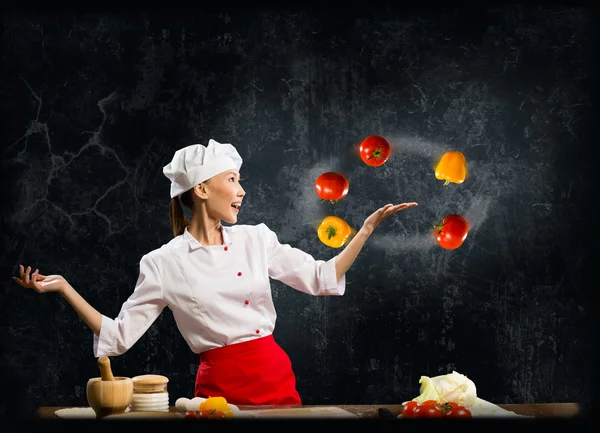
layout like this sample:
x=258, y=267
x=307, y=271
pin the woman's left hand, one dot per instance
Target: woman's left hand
x=382, y=213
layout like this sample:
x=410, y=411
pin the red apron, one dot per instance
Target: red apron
x=255, y=372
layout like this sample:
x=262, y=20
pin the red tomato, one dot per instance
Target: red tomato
x=375, y=150
x=447, y=406
x=331, y=186
x=429, y=402
x=429, y=411
x=190, y=414
x=459, y=412
x=451, y=232
x=408, y=410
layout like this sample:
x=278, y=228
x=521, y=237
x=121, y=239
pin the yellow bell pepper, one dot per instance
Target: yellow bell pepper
x=452, y=168
x=213, y=405
x=334, y=231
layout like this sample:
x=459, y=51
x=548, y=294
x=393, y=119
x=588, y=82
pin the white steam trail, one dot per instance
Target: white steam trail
x=416, y=145
x=421, y=242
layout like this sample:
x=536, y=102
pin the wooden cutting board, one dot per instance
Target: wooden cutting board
x=144, y=415
x=297, y=412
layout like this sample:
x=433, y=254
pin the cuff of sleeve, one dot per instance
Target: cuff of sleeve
x=334, y=287
x=105, y=342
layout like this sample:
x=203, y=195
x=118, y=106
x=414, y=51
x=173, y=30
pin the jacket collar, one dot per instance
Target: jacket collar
x=194, y=244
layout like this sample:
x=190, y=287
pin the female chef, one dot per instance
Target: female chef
x=215, y=280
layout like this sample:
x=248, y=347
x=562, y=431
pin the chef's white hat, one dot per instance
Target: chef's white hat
x=196, y=163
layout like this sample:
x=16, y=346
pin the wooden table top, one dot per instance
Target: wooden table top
x=541, y=410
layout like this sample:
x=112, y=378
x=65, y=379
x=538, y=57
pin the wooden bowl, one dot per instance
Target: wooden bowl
x=109, y=397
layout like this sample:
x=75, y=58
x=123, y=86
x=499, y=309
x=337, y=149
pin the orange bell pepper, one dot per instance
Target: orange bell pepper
x=452, y=168
x=214, y=407
x=334, y=231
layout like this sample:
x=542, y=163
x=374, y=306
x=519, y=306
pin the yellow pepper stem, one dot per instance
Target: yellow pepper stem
x=446, y=183
x=331, y=232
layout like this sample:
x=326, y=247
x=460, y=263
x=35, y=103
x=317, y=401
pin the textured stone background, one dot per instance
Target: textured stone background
x=95, y=105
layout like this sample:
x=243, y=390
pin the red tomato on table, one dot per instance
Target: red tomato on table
x=408, y=410
x=459, y=412
x=332, y=186
x=375, y=150
x=428, y=411
x=451, y=232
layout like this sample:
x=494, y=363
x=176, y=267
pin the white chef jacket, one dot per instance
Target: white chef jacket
x=219, y=294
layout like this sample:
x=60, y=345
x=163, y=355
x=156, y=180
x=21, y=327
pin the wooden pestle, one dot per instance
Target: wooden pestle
x=105, y=370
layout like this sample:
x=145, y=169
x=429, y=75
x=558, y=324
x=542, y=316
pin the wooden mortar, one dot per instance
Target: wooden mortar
x=107, y=394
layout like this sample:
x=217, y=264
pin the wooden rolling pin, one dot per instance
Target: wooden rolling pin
x=105, y=370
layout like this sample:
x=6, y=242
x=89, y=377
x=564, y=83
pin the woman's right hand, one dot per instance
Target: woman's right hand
x=40, y=283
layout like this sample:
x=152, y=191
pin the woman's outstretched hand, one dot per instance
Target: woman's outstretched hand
x=38, y=282
x=382, y=213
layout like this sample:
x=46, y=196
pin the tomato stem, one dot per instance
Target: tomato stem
x=376, y=154
x=445, y=407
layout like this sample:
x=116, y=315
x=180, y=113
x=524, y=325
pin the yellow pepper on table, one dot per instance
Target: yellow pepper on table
x=334, y=231
x=215, y=407
x=452, y=168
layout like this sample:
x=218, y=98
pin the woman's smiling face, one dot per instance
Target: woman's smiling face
x=225, y=195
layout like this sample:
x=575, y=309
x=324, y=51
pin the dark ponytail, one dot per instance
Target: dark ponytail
x=177, y=217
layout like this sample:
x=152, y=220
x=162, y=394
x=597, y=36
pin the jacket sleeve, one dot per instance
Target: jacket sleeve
x=137, y=314
x=300, y=270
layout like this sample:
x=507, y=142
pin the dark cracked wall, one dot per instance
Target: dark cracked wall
x=95, y=105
